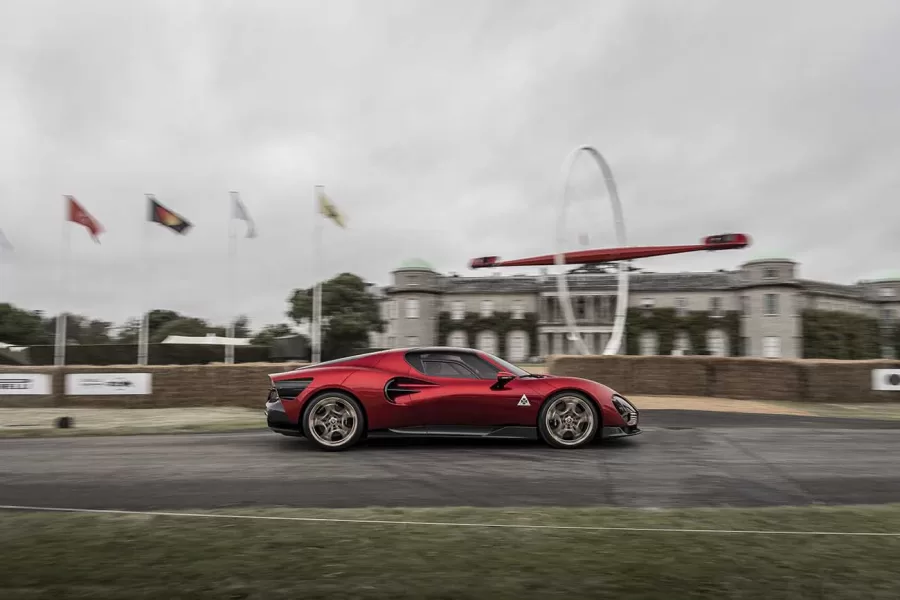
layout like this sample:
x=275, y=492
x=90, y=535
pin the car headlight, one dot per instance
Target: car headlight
x=626, y=409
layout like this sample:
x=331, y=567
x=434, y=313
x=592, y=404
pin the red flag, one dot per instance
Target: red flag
x=77, y=214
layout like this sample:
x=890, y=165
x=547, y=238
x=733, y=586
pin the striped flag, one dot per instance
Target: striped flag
x=167, y=218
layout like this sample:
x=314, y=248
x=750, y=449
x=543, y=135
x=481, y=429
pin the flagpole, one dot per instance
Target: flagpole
x=316, y=324
x=4, y=250
x=59, y=354
x=232, y=258
x=144, y=330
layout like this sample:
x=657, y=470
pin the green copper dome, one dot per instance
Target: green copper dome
x=416, y=263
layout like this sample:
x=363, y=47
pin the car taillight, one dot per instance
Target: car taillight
x=288, y=389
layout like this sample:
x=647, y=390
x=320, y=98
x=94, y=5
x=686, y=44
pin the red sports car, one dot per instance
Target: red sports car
x=441, y=392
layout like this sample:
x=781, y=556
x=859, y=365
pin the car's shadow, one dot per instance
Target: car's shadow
x=382, y=444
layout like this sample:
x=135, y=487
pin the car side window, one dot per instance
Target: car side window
x=451, y=364
x=446, y=368
x=484, y=369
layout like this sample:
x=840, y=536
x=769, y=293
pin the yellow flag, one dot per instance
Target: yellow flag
x=329, y=210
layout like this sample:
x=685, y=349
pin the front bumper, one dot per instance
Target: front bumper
x=278, y=421
x=609, y=433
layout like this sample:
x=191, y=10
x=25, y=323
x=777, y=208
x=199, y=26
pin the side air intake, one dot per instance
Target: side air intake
x=403, y=386
x=291, y=388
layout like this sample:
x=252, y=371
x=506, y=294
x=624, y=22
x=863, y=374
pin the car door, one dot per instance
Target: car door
x=465, y=395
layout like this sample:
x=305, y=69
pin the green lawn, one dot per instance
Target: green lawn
x=57, y=555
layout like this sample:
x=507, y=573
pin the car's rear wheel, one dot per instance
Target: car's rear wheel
x=568, y=420
x=333, y=421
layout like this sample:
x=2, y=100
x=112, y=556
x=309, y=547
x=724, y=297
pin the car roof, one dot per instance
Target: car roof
x=391, y=351
x=438, y=349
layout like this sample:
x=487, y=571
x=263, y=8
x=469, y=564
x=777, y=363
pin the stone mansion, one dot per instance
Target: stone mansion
x=768, y=295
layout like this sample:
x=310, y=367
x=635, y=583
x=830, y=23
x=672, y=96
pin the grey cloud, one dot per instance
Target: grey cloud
x=439, y=128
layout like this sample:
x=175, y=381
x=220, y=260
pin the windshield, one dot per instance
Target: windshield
x=507, y=366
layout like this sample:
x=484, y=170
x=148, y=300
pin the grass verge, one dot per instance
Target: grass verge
x=56, y=555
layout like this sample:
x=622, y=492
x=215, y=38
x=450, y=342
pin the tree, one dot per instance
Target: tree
x=242, y=327
x=349, y=313
x=266, y=335
x=128, y=333
x=81, y=329
x=162, y=324
x=22, y=327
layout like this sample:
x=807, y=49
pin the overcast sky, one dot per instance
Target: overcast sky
x=439, y=129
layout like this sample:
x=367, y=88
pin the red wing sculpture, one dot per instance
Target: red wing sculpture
x=726, y=241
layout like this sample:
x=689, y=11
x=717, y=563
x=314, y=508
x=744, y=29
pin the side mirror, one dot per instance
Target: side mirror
x=503, y=377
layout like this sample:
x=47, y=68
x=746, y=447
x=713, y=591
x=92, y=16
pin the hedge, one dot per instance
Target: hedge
x=667, y=323
x=841, y=335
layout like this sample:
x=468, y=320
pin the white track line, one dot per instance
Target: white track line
x=444, y=523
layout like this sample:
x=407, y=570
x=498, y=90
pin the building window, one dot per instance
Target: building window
x=888, y=352
x=715, y=306
x=518, y=346
x=487, y=341
x=558, y=340
x=580, y=308
x=771, y=305
x=458, y=310
x=886, y=293
x=770, y=274
x=716, y=343
x=412, y=341
x=772, y=347
x=682, y=345
x=648, y=343
x=887, y=314
x=412, y=308
x=458, y=339
x=681, y=306
x=487, y=309
x=745, y=305
x=518, y=309
x=392, y=309
x=391, y=342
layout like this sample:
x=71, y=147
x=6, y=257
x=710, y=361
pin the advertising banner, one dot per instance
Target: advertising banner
x=886, y=380
x=108, y=384
x=30, y=384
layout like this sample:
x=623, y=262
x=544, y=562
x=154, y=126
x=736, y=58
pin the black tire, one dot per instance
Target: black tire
x=318, y=436
x=584, y=438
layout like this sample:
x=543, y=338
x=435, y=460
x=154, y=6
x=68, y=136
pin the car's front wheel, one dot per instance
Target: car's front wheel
x=333, y=421
x=568, y=420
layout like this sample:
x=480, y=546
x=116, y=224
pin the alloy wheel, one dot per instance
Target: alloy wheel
x=333, y=421
x=570, y=420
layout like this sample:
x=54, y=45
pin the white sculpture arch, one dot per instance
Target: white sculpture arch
x=615, y=339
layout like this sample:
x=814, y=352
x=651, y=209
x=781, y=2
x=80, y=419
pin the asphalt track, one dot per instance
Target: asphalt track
x=684, y=458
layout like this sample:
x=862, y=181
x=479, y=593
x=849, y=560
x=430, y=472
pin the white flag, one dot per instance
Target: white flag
x=240, y=213
x=4, y=243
